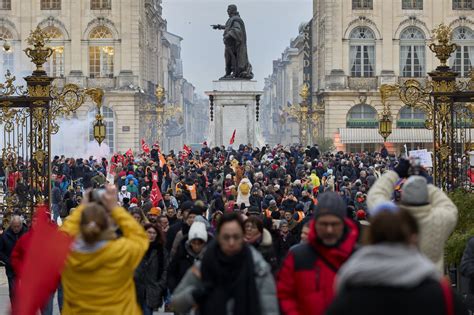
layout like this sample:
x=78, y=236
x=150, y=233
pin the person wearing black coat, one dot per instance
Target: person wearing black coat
x=7, y=243
x=467, y=270
x=284, y=240
x=190, y=250
x=390, y=276
x=150, y=275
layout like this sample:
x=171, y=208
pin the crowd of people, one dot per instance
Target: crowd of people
x=272, y=230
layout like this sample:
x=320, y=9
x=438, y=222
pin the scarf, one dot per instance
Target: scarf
x=229, y=278
x=254, y=240
x=390, y=265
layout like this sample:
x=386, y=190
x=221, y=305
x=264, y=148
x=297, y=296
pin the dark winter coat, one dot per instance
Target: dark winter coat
x=283, y=245
x=7, y=243
x=180, y=263
x=467, y=265
x=150, y=277
x=427, y=298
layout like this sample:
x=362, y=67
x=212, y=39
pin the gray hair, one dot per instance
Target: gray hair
x=16, y=218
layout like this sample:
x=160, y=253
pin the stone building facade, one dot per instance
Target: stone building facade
x=120, y=46
x=358, y=45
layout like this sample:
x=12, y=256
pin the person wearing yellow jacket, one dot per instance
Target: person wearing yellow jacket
x=98, y=275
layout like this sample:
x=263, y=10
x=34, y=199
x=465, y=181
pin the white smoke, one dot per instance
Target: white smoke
x=72, y=140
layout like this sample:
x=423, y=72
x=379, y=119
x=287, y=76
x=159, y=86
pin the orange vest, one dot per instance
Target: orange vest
x=192, y=191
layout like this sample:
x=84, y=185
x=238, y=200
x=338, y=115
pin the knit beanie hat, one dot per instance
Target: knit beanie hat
x=197, y=231
x=331, y=203
x=415, y=191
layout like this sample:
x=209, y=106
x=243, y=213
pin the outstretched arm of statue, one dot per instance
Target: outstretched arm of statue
x=218, y=27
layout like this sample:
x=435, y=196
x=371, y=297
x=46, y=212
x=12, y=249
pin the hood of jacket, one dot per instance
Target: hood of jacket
x=88, y=257
x=266, y=238
x=388, y=265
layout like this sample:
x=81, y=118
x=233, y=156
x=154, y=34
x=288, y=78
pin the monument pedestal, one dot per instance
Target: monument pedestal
x=234, y=109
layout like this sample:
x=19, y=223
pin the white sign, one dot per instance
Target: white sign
x=424, y=156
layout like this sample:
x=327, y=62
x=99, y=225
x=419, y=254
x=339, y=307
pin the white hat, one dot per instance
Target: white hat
x=124, y=188
x=197, y=231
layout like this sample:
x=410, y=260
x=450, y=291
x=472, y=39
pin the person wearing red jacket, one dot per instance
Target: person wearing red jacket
x=305, y=283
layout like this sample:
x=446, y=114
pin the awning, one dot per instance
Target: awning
x=365, y=135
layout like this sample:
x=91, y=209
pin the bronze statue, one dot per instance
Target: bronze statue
x=237, y=65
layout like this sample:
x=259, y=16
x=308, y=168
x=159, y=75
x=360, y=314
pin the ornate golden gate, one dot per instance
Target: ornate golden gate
x=28, y=118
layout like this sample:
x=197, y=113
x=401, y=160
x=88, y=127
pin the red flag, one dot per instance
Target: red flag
x=129, y=153
x=233, y=138
x=155, y=196
x=187, y=149
x=145, y=147
x=43, y=263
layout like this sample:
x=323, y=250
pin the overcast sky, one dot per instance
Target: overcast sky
x=270, y=25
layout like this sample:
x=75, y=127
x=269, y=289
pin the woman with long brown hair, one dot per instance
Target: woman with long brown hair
x=150, y=276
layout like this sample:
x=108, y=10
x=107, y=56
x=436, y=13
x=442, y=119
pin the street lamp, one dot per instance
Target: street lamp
x=385, y=121
x=301, y=113
x=163, y=113
x=99, y=128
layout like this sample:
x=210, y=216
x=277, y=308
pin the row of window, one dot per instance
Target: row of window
x=56, y=4
x=412, y=4
x=101, y=53
x=412, y=52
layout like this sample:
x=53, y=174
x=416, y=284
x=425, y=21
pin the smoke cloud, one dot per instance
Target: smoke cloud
x=73, y=140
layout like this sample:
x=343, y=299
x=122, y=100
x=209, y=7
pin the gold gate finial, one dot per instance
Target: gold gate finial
x=39, y=54
x=444, y=48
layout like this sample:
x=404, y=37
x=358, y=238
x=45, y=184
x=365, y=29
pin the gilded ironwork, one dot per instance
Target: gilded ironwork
x=39, y=54
x=444, y=48
x=448, y=106
x=27, y=120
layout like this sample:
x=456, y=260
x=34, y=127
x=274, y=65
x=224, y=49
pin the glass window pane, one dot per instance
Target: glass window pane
x=412, y=4
x=362, y=4
x=5, y=4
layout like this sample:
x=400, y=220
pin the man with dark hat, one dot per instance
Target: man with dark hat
x=331, y=241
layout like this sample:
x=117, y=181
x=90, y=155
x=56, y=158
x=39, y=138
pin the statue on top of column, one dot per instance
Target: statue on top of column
x=237, y=65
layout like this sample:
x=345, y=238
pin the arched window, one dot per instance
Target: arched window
x=109, y=120
x=464, y=55
x=412, y=52
x=410, y=117
x=362, y=52
x=55, y=64
x=101, y=53
x=362, y=116
x=7, y=57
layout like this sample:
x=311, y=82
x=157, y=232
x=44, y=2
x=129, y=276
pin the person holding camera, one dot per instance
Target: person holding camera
x=98, y=275
x=435, y=213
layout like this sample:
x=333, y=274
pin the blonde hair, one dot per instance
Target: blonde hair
x=94, y=222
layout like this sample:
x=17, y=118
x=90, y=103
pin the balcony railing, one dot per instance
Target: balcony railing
x=103, y=83
x=356, y=83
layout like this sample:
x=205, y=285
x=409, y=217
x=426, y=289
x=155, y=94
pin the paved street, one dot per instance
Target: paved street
x=5, y=302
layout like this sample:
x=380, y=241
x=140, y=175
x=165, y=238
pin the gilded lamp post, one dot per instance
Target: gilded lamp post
x=385, y=121
x=164, y=112
x=301, y=113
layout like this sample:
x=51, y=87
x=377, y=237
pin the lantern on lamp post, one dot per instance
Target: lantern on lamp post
x=99, y=129
x=385, y=126
x=385, y=121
